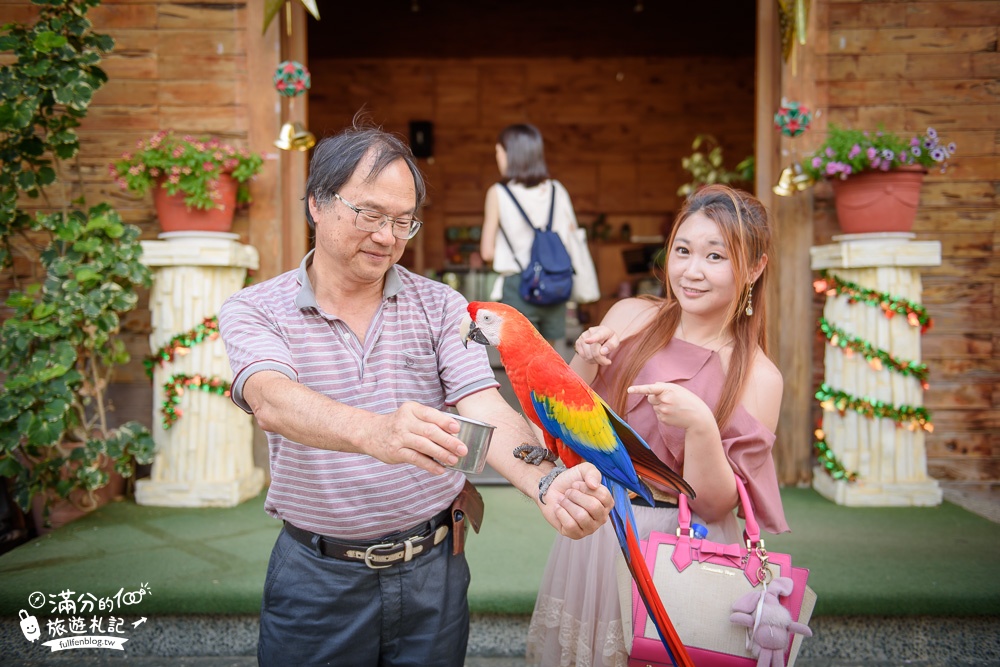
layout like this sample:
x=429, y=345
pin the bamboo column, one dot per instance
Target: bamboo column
x=890, y=460
x=205, y=458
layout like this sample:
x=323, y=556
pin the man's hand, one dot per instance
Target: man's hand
x=418, y=435
x=577, y=503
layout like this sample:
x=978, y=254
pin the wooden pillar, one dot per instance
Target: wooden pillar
x=890, y=459
x=790, y=326
x=205, y=457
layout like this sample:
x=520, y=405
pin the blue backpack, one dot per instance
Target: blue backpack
x=548, y=278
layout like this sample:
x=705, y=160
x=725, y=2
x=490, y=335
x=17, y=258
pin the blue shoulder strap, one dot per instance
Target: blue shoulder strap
x=548, y=228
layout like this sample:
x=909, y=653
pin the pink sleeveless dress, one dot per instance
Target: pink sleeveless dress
x=577, y=618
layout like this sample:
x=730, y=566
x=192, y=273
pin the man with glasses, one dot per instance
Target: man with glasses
x=347, y=363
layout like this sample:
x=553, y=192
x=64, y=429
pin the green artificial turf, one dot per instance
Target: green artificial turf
x=895, y=561
x=864, y=561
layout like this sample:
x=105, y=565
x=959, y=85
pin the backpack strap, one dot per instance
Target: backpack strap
x=548, y=227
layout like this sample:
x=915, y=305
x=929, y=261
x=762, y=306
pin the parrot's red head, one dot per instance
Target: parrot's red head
x=499, y=325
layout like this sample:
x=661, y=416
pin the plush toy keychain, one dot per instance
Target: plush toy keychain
x=769, y=625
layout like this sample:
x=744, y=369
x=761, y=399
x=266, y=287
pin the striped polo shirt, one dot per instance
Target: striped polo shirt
x=412, y=352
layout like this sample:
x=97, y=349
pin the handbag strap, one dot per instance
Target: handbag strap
x=548, y=227
x=751, y=528
x=755, y=562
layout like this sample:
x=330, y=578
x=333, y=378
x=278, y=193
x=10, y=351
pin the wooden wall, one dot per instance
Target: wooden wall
x=177, y=66
x=615, y=128
x=910, y=65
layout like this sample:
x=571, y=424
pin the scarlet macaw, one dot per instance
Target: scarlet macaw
x=579, y=425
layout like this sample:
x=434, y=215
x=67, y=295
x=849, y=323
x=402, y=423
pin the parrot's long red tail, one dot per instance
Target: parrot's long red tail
x=647, y=591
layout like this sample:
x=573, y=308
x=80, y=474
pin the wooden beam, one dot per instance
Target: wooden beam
x=263, y=108
x=790, y=293
x=294, y=229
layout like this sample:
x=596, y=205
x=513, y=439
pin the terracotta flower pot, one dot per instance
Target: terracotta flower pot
x=878, y=201
x=175, y=216
x=80, y=503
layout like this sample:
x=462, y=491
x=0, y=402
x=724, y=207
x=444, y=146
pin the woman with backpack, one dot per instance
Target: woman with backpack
x=525, y=200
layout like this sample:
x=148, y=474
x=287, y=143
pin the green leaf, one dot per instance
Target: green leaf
x=26, y=180
x=9, y=467
x=46, y=41
x=76, y=95
x=44, y=433
x=86, y=274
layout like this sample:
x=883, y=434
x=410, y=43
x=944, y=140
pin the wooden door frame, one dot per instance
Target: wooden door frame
x=791, y=330
x=278, y=226
x=279, y=231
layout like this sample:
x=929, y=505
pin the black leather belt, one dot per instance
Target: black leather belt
x=381, y=553
x=639, y=500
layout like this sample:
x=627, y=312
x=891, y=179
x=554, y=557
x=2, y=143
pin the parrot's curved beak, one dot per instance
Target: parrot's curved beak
x=470, y=331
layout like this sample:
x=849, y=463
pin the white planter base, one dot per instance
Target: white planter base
x=876, y=494
x=199, y=494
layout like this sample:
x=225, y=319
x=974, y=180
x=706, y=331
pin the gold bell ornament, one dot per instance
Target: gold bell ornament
x=791, y=120
x=295, y=137
x=292, y=79
x=792, y=180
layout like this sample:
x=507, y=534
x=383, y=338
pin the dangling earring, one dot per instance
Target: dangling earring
x=749, y=308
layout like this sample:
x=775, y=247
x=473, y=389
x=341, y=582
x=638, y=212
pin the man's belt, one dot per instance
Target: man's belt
x=380, y=554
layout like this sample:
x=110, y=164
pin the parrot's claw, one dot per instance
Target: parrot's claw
x=546, y=482
x=533, y=454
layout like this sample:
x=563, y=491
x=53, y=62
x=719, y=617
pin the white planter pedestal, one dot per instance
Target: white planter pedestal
x=890, y=461
x=205, y=459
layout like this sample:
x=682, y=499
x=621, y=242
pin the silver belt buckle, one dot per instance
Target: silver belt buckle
x=368, y=556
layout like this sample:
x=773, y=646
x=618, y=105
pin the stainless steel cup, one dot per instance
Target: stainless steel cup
x=476, y=435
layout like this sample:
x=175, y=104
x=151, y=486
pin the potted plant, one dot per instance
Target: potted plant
x=877, y=176
x=77, y=272
x=705, y=166
x=196, y=182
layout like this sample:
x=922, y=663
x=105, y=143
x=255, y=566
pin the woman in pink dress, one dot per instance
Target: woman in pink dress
x=690, y=373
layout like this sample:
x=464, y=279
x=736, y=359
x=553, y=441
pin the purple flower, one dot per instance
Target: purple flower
x=871, y=153
x=855, y=151
x=830, y=153
x=915, y=141
x=952, y=147
x=932, y=133
x=887, y=154
x=916, y=151
x=938, y=155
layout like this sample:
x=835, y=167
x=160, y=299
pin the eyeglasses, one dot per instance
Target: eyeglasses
x=367, y=220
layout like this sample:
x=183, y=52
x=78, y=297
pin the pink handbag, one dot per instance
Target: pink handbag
x=699, y=581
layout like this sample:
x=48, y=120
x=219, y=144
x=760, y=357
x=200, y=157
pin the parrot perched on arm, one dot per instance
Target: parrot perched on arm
x=579, y=425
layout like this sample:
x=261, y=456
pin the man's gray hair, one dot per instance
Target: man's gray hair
x=336, y=158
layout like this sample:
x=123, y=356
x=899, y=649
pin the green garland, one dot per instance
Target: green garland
x=182, y=343
x=877, y=358
x=829, y=460
x=174, y=388
x=891, y=305
x=834, y=399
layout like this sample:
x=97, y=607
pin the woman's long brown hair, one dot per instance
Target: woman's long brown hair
x=743, y=222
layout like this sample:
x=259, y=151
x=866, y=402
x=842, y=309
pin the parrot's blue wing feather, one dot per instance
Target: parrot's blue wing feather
x=587, y=431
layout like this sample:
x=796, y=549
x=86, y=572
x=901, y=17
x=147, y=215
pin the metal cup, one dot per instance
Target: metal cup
x=476, y=435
